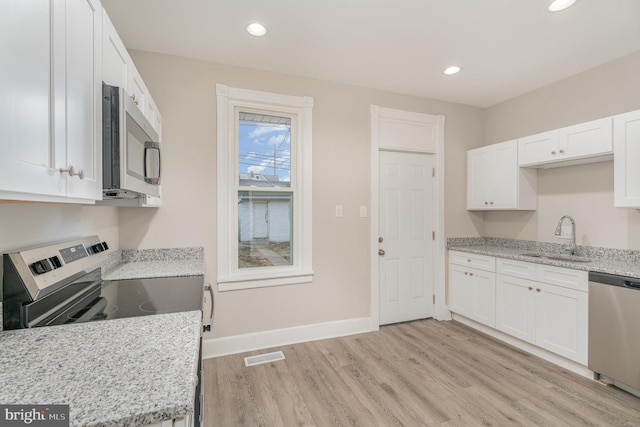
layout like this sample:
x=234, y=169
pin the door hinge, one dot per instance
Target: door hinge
x=433, y=235
x=434, y=299
x=433, y=171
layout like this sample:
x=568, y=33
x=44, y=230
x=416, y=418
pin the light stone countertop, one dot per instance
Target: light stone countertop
x=603, y=260
x=147, y=269
x=120, y=372
x=147, y=263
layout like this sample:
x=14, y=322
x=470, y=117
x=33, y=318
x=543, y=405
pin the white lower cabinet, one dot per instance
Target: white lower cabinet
x=543, y=305
x=472, y=291
x=548, y=310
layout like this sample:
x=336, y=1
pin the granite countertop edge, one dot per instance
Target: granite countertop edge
x=513, y=251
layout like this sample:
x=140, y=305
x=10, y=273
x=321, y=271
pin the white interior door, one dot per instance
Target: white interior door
x=406, y=242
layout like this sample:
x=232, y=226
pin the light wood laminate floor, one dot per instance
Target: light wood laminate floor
x=423, y=373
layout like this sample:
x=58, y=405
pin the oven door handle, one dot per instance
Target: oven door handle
x=209, y=288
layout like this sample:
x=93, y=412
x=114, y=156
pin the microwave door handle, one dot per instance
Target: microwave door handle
x=154, y=146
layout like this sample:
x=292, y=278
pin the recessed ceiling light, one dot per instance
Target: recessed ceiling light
x=452, y=70
x=559, y=5
x=256, y=29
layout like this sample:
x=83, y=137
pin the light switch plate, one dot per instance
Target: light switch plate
x=338, y=211
x=363, y=211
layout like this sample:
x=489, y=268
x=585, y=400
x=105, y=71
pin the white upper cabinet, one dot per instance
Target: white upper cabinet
x=626, y=137
x=119, y=70
x=83, y=91
x=582, y=143
x=494, y=180
x=137, y=90
x=50, y=109
x=115, y=58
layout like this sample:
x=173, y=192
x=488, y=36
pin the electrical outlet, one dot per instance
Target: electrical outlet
x=338, y=211
x=363, y=211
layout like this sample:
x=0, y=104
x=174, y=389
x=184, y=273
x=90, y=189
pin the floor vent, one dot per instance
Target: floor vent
x=263, y=358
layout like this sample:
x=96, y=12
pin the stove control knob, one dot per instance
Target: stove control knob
x=40, y=267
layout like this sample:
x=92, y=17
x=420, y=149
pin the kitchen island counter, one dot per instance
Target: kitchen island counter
x=120, y=372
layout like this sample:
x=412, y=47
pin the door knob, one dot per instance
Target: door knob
x=380, y=252
x=380, y=239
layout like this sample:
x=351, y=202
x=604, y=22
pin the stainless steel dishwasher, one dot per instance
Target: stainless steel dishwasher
x=614, y=330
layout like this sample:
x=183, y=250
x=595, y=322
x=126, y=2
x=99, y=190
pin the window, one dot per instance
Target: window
x=264, y=189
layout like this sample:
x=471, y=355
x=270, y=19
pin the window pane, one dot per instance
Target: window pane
x=264, y=229
x=264, y=150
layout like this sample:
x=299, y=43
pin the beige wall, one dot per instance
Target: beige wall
x=586, y=191
x=23, y=225
x=29, y=224
x=185, y=93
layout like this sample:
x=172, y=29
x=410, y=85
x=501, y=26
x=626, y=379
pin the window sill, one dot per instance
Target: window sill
x=265, y=282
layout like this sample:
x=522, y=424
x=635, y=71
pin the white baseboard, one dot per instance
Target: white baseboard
x=529, y=348
x=224, y=346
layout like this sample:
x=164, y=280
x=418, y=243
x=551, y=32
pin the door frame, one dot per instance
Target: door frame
x=428, y=137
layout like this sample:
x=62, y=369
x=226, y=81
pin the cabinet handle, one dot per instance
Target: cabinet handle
x=466, y=273
x=553, y=152
x=134, y=99
x=561, y=151
x=491, y=203
x=470, y=274
x=530, y=288
x=537, y=289
x=486, y=203
x=468, y=260
x=72, y=171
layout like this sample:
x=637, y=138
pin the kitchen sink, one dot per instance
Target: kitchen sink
x=567, y=258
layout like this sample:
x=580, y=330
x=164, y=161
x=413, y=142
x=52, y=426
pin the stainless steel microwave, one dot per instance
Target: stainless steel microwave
x=130, y=148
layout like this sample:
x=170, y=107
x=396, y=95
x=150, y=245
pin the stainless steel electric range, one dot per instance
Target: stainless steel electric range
x=62, y=284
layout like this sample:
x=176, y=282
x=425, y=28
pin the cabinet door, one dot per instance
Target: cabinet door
x=561, y=321
x=539, y=148
x=588, y=139
x=26, y=141
x=483, y=297
x=478, y=178
x=626, y=140
x=137, y=89
x=83, y=70
x=459, y=294
x=115, y=58
x=503, y=185
x=515, y=307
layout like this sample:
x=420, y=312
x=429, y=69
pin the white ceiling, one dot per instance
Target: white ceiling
x=505, y=47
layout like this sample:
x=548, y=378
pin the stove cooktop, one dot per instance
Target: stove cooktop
x=142, y=297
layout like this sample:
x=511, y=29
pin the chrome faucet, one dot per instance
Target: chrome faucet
x=573, y=247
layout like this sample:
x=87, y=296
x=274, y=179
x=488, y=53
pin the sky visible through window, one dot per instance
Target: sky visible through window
x=264, y=147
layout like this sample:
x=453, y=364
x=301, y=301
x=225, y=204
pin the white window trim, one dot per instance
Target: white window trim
x=230, y=277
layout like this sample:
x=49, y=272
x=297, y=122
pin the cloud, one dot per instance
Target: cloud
x=265, y=130
x=277, y=139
